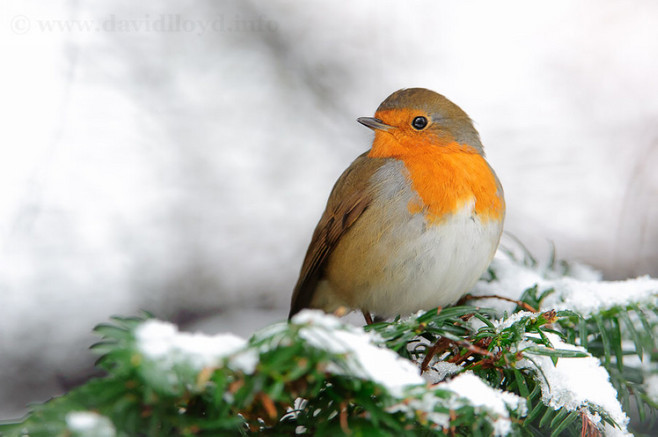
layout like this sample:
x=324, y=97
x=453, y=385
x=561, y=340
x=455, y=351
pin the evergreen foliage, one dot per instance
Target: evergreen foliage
x=313, y=376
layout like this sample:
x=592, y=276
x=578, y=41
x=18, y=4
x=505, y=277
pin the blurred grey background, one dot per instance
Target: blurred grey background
x=175, y=156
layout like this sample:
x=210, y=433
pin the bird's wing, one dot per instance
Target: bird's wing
x=350, y=196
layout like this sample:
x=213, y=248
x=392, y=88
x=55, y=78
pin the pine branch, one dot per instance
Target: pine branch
x=486, y=371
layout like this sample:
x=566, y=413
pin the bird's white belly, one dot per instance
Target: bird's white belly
x=397, y=262
x=431, y=265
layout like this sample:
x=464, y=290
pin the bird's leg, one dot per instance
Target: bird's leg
x=367, y=316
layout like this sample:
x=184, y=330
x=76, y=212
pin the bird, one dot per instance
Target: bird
x=413, y=222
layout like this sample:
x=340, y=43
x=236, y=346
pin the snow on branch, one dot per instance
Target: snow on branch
x=568, y=366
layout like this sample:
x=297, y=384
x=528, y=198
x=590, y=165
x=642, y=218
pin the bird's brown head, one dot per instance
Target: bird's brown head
x=412, y=119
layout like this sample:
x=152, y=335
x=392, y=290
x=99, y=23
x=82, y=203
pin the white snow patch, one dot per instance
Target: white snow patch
x=89, y=424
x=467, y=389
x=586, y=296
x=479, y=394
x=162, y=342
x=574, y=382
x=364, y=358
x=611, y=431
x=319, y=319
x=440, y=370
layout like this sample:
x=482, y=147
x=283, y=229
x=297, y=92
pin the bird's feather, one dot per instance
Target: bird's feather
x=350, y=197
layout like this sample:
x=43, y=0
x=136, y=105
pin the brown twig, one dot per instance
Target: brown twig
x=343, y=419
x=588, y=429
x=441, y=345
x=453, y=417
x=268, y=405
x=523, y=305
x=472, y=350
x=444, y=343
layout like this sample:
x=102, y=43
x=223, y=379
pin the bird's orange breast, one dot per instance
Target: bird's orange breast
x=446, y=176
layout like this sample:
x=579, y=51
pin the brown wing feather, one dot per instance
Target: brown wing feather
x=350, y=196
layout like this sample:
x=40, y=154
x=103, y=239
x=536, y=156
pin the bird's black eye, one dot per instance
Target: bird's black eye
x=419, y=123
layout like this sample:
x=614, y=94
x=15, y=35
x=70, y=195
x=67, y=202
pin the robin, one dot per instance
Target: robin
x=412, y=223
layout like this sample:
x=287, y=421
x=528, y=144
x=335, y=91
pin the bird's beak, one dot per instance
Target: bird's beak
x=373, y=123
